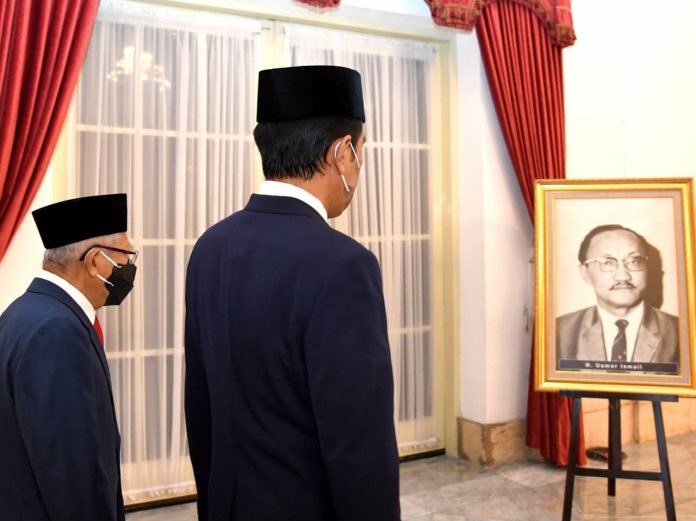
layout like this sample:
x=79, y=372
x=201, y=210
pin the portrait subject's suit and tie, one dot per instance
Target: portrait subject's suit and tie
x=579, y=336
x=622, y=327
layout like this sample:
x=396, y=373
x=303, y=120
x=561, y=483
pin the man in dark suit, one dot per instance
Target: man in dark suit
x=59, y=441
x=622, y=327
x=289, y=388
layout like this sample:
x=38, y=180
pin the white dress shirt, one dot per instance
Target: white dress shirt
x=71, y=290
x=277, y=188
x=610, y=329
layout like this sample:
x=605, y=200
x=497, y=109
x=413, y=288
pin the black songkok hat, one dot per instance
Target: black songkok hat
x=314, y=91
x=75, y=220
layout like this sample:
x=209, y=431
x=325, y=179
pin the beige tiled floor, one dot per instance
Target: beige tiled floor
x=444, y=489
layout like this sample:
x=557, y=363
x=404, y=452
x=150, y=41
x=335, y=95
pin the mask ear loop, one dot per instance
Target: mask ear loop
x=342, y=177
x=112, y=262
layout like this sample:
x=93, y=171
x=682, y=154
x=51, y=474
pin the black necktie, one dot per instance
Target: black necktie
x=618, y=348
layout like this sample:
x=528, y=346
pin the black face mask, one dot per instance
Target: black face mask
x=120, y=283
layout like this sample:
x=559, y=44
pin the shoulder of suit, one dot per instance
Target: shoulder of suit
x=574, y=315
x=62, y=323
x=663, y=315
x=52, y=332
x=343, y=240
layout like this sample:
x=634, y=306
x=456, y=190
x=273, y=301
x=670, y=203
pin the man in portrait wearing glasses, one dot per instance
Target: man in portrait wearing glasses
x=59, y=439
x=622, y=329
x=289, y=387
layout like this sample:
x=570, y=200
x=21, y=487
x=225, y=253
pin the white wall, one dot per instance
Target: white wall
x=508, y=276
x=409, y=7
x=630, y=87
x=22, y=261
x=496, y=244
x=472, y=217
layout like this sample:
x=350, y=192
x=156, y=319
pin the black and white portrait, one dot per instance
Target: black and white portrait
x=624, y=329
x=613, y=287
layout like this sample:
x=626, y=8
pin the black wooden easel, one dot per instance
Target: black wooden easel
x=615, y=469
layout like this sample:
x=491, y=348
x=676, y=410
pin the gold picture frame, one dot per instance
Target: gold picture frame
x=615, y=248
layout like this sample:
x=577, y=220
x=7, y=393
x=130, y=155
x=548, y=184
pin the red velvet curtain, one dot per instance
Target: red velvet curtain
x=42, y=46
x=525, y=75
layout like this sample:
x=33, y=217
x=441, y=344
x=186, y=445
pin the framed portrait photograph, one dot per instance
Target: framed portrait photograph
x=615, y=286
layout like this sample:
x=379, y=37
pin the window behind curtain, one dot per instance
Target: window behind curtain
x=164, y=112
x=391, y=211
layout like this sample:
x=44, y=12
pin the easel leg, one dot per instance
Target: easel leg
x=572, y=460
x=664, y=463
x=615, y=461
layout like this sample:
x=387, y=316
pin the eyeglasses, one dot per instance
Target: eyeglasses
x=132, y=255
x=610, y=264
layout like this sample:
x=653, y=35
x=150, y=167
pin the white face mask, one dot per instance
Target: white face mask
x=350, y=143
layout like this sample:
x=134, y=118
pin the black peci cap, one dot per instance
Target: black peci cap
x=313, y=91
x=75, y=220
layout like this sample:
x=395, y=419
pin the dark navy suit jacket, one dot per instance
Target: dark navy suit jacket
x=59, y=442
x=289, y=387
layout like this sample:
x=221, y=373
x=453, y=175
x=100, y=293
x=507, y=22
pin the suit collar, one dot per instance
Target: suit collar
x=75, y=294
x=46, y=287
x=278, y=188
x=281, y=205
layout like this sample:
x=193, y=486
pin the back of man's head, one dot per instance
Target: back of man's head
x=297, y=149
x=301, y=111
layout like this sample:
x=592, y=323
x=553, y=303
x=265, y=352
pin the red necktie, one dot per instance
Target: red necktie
x=98, y=329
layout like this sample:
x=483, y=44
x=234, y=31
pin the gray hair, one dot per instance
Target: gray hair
x=70, y=253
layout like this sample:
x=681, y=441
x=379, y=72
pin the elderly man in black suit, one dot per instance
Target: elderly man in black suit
x=289, y=388
x=59, y=440
x=622, y=327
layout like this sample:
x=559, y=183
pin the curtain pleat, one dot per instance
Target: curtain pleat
x=525, y=76
x=42, y=46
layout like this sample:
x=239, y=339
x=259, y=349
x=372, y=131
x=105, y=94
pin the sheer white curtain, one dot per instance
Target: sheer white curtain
x=391, y=212
x=164, y=112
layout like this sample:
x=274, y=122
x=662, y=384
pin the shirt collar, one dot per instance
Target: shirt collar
x=75, y=294
x=278, y=188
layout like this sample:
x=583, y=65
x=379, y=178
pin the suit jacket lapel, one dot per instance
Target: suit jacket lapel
x=591, y=339
x=648, y=338
x=48, y=288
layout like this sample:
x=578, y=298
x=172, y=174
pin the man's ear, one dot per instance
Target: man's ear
x=90, y=262
x=336, y=153
x=584, y=273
